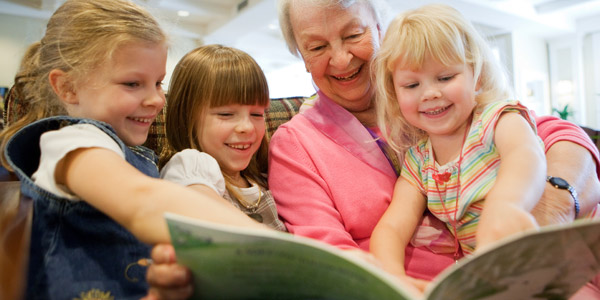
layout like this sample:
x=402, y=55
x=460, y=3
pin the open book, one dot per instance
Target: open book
x=237, y=263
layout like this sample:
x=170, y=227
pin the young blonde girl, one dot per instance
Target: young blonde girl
x=442, y=100
x=215, y=129
x=92, y=87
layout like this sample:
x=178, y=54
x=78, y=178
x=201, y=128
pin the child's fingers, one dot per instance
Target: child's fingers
x=163, y=254
x=171, y=294
x=168, y=275
x=167, y=279
x=419, y=283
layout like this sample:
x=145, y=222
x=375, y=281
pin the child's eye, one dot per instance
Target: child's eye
x=446, y=78
x=131, y=84
x=411, y=86
x=224, y=114
x=258, y=115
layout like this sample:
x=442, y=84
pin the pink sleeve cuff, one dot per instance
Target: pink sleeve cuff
x=552, y=129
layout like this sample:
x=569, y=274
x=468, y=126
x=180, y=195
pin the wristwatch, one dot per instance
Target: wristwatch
x=562, y=184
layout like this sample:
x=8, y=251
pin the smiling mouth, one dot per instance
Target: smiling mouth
x=239, y=147
x=437, y=111
x=142, y=120
x=350, y=77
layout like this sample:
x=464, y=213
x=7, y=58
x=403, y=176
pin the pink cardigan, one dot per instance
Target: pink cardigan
x=331, y=182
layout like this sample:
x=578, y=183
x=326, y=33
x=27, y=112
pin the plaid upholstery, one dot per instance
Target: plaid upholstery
x=280, y=111
x=156, y=134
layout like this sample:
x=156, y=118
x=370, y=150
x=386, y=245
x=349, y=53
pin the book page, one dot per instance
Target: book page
x=550, y=264
x=237, y=263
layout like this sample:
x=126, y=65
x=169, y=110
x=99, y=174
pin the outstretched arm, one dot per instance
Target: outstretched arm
x=396, y=227
x=136, y=201
x=519, y=184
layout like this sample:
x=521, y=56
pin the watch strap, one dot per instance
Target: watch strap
x=560, y=183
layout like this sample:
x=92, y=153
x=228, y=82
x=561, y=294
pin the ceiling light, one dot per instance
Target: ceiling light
x=183, y=13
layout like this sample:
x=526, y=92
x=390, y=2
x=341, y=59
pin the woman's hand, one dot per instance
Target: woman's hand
x=166, y=278
x=577, y=166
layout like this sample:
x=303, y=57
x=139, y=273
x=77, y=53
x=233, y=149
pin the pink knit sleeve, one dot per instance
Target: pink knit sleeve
x=552, y=129
x=301, y=195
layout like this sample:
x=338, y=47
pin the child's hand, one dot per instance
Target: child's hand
x=364, y=255
x=420, y=284
x=499, y=220
x=167, y=279
x=414, y=285
x=417, y=286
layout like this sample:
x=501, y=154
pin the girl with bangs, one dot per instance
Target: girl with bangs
x=215, y=130
x=442, y=99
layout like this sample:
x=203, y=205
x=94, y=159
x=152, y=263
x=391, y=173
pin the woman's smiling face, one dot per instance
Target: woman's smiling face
x=337, y=45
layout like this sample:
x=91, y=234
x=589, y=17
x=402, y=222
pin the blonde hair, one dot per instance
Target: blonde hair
x=212, y=76
x=442, y=32
x=80, y=36
x=378, y=8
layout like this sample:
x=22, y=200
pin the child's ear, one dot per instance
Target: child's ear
x=62, y=85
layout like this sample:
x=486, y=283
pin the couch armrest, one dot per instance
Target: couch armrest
x=16, y=212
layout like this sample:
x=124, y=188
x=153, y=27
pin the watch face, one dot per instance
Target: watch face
x=559, y=182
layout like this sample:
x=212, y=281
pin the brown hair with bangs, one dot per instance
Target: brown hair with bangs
x=212, y=76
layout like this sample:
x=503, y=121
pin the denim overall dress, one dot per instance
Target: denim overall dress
x=76, y=251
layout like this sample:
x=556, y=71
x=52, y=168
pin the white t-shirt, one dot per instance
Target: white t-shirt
x=56, y=144
x=191, y=166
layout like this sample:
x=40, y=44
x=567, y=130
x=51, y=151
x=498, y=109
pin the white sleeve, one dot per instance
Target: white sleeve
x=191, y=166
x=56, y=144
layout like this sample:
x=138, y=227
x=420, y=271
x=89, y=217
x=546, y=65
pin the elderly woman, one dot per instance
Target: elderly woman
x=331, y=179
